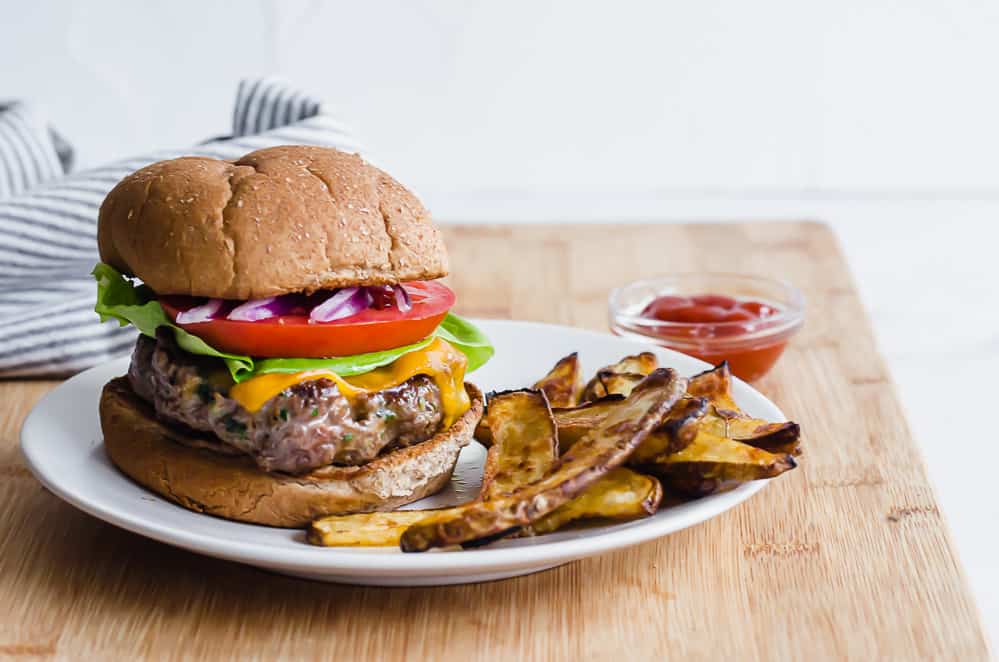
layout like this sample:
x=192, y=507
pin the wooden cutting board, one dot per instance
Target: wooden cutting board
x=846, y=557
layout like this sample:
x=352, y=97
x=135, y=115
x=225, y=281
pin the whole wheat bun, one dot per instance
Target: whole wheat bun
x=278, y=220
x=180, y=466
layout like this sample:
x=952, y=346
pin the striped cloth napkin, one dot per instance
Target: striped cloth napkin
x=48, y=231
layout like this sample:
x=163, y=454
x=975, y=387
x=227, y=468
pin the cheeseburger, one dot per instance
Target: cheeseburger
x=297, y=357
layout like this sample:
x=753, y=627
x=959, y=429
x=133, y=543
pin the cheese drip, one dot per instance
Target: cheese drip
x=438, y=360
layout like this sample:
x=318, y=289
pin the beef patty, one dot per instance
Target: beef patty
x=306, y=426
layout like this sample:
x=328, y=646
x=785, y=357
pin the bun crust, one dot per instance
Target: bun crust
x=278, y=220
x=179, y=465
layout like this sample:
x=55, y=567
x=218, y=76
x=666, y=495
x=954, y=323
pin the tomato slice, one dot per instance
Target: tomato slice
x=295, y=336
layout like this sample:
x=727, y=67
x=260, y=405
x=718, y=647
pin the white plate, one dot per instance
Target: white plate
x=61, y=440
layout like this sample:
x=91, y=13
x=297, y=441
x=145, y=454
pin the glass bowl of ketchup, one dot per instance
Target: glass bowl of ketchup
x=745, y=320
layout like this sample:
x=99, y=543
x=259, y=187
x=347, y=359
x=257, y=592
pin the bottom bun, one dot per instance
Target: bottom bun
x=179, y=465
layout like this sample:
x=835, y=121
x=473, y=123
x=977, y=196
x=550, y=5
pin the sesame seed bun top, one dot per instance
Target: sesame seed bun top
x=278, y=220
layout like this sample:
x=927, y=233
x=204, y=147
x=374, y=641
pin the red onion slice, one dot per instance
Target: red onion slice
x=402, y=301
x=262, y=309
x=344, y=303
x=203, y=313
x=382, y=296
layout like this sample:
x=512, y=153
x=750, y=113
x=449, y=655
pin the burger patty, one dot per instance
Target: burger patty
x=306, y=426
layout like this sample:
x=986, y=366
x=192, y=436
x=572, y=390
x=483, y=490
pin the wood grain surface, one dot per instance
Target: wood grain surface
x=847, y=557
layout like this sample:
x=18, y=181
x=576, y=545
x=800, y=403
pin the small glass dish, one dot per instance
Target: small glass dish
x=751, y=347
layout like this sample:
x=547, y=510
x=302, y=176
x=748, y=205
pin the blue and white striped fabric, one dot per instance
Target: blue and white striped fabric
x=48, y=236
x=29, y=154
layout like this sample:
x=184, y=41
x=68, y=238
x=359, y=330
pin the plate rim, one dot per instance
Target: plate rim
x=390, y=562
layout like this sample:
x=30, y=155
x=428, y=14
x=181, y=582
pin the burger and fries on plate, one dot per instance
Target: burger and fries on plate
x=299, y=366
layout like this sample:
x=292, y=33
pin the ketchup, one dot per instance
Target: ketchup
x=716, y=323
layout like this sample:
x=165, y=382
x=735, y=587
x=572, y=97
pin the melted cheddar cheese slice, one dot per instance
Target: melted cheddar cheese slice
x=438, y=360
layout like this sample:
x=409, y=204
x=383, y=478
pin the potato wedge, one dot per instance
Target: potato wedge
x=610, y=383
x=622, y=494
x=676, y=433
x=364, y=529
x=563, y=383
x=772, y=437
x=725, y=419
x=603, y=449
x=574, y=422
x=715, y=385
x=620, y=377
x=525, y=441
x=525, y=450
x=712, y=464
x=642, y=364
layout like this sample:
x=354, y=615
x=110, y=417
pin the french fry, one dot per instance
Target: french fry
x=687, y=437
x=676, y=433
x=525, y=441
x=563, y=383
x=561, y=386
x=604, y=448
x=619, y=378
x=715, y=385
x=525, y=450
x=773, y=437
x=364, y=529
x=574, y=422
x=622, y=494
x=606, y=383
x=712, y=464
x=642, y=364
x=724, y=418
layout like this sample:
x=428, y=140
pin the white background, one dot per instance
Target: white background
x=878, y=117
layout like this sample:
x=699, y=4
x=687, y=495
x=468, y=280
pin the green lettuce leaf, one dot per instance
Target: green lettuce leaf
x=118, y=298
x=344, y=366
x=468, y=338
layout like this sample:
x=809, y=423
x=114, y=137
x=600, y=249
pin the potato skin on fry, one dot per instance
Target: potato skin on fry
x=715, y=385
x=771, y=437
x=711, y=464
x=676, y=433
x=619, y=378
x=604, y=448
x=622, y=494
x=574, y=422
x=524, y=450
x=703, y=443
x=724, y=418
x=525, y=441
x=563, y=382
x=364, y=529
x=610, y=383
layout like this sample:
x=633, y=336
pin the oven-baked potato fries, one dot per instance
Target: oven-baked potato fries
x=364, y=529
x=712, y=463
x=619, y=378
x=560, y=453
x=563, y=384
x=622, y=494
x=724, y=418
x=525, y=450
x=606, y=446
x=525, y=442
